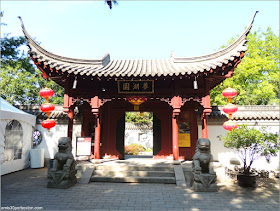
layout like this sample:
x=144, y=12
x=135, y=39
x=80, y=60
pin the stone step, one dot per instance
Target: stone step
x=109, y=173
x=134, y=168
x=81, y=167
x=164, y=180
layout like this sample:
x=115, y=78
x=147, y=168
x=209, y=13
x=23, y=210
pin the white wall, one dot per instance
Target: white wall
x=50, y=139
x=223, y=155
x=144, y=138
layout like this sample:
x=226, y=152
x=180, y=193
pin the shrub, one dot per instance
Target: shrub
x=251, y=144
x=133, y=149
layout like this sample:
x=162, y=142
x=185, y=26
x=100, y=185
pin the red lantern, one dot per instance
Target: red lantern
x=229, y=125
x=230, y=109
x=229, y=93
x=48, y=124
x=47, y=108
x=46, y=93
x=136, y=101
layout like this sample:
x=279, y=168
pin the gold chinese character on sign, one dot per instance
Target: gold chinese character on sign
x=145, y=86
x=135, y=86
x=126, y=86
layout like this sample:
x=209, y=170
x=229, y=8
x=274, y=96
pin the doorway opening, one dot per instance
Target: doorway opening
x=138, y=140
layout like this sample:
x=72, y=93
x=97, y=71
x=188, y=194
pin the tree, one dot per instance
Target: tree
x=145, y=118
x=20, y=80
x=257, y=77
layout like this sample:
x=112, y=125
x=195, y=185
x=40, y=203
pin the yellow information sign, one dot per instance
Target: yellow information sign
x=184, y=140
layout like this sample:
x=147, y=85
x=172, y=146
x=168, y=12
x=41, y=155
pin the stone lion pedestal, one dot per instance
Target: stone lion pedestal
x=204, y=178
x=63, y=172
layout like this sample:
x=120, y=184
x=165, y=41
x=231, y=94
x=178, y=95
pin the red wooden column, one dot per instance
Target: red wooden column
x=207, y=108
x=175, y=137
x=70, y=122
x=176, y=103
x=95, y=105
x=97, y=139
x=204, y=126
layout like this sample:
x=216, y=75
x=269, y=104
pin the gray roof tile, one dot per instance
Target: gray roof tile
x=252, y=112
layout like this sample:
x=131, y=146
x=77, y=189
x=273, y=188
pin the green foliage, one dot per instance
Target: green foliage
x=138, y=118
x=251, y=144
x=20, y=80
x=149, y=150
x=256, y=78
x=133, y=149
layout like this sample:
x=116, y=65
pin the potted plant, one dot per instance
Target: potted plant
x=251, y=144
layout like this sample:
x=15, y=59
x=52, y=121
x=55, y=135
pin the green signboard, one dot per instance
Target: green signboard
x=136, y=87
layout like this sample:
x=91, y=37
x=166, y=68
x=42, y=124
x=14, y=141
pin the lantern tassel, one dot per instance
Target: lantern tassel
x=136, y=107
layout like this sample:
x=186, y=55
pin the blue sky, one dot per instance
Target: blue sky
x=136, y=29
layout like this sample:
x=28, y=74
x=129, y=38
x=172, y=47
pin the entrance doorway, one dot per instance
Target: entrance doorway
x=138, y=135
x=149, y=135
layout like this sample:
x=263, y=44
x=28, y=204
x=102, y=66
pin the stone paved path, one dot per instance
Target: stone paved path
x=27, y=190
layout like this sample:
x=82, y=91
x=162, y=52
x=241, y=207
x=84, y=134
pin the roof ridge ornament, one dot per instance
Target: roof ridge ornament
x=22, y=25
x=24, y=30
x=251, y=24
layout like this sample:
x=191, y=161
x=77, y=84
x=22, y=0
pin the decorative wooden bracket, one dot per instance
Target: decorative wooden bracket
x=95, y=103
x=183, y=101
x=176, y=103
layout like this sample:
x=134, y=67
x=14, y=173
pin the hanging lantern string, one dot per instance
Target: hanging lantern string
x=230, y=108
x=47, y=107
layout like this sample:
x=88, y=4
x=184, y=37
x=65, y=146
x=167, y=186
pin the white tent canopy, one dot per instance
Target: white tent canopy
x=16, y=129
x=7, y=111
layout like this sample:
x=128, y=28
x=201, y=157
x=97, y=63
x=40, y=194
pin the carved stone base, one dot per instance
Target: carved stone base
x=62, y=179
x=204, y=183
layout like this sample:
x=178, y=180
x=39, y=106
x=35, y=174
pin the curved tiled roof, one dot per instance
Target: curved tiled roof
x=104, y=67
